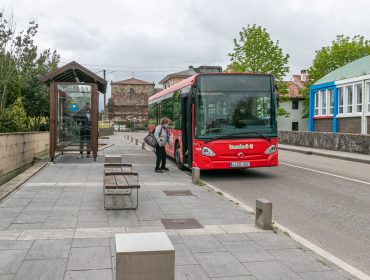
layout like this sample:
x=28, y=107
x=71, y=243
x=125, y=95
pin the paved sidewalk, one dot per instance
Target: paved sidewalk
x=55, y=227
x=327, y=153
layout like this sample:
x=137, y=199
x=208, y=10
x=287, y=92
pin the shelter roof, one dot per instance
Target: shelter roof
x=359, y=67
x=74, y=72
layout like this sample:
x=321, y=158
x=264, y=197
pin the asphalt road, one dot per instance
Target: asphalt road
x=331, y=212
x=330, y=208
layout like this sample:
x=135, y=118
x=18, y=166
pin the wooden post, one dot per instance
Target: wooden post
x=94, y=120
x=53, y=119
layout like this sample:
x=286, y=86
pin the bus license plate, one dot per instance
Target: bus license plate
x=240, y=164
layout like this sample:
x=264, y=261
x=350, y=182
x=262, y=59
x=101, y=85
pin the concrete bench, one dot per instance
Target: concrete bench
x=113, y=159
x=142, y=256
x=119, y=183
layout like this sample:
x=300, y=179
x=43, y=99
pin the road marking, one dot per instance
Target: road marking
x=325, y=173
x=321, y=252
x=325, y=254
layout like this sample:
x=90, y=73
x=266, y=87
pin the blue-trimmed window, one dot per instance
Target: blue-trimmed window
x=330, y=95
x=358, y=98
x=368, y=97
x=349, y=99
x=340, y=101
x=317, y=103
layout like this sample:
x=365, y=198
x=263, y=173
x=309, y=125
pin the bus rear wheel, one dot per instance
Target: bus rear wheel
x=179, y=164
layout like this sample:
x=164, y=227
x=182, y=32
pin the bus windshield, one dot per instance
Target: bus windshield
x=222, y=114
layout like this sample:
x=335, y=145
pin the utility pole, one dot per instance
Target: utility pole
x=105, y=101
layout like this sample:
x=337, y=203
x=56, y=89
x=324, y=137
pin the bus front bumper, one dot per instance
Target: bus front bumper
x=206, y=163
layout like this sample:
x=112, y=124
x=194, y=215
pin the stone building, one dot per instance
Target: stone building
x=177, y=77
x=340, y=101
x=129, y=102
x=294, y=105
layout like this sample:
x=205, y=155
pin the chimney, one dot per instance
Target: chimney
x=303, y=76
x=191, y=67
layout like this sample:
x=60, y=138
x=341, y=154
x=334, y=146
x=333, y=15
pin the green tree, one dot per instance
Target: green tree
x=342, y=51
x=14, y=119
x=255, y=51
x=35, y=95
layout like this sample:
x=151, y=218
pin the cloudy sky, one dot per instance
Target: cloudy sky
x=152, y=38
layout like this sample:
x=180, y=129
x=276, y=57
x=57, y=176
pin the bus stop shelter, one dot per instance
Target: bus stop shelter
x=74, y=107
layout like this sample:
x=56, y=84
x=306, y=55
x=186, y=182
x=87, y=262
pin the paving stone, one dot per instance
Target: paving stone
x=190, y=272
x=10, y=212
x=203, y=243
x=15, y=245
x=323, y=275
x=221, y=264
x=103, y=274
x=231, y=237
x=298, y=260
x=60, y=222
x=25, y=226
x=46, y=234
x=11, y=260
x=10, y=234
x=92, y=224
x=7, y=277
x=270, y=240
x=92, y=216
x=248, y=251
x=236, y=278
x=90, y=242
x=183, y=255
x=42, y=270
x=273, y=270
x=89, y=258
x=15, y=203
x=49, y=249
x=30, y=218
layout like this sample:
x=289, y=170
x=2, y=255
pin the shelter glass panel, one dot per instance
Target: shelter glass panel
x=74, y=117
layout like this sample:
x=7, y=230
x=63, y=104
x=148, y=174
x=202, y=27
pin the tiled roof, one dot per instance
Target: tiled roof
x=359, y=67
x=294, y=86
x=182, y=74
x=132, y=81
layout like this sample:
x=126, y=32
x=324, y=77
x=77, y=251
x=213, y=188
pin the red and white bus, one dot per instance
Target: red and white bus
x=220, y=120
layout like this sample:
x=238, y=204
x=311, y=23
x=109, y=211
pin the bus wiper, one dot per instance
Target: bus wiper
x=238, y=134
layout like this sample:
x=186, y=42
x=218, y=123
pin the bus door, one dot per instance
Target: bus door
x=187, y=146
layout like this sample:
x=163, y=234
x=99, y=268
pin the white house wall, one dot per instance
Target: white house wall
x=285, y=123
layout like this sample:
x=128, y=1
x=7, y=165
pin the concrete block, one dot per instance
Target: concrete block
x=136, y=141
x=264, y=214
x=142, y=256
x=113, y=159
x=195, y=175
x=143, y=145
x=132, y=139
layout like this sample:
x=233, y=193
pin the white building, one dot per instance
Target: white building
x=294, y=106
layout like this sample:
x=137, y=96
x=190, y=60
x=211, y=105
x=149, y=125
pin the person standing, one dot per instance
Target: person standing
x=83, y=118
x=162, y=135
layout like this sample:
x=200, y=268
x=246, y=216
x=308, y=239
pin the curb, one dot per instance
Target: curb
x=314, y=248
x=12, y=185
x=310, y=152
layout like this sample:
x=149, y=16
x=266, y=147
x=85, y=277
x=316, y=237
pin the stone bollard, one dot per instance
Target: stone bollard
x=143, y=145
x=264, y=214
x=149, y=255
x=136, y=141
x=195, y=175
x=132, y=139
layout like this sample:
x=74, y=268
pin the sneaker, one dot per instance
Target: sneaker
x=80, y=156
x=165, y=168
x=88, y=156
x=158, y=171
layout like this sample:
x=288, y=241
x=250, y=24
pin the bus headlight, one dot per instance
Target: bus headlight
x=208, y=152
x=270, y=150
